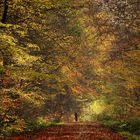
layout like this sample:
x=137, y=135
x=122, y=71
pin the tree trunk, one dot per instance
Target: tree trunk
x=4, y=17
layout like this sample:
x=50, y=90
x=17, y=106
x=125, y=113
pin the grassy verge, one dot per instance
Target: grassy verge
x=129, y=128
x=30, y=127
x=130, y=136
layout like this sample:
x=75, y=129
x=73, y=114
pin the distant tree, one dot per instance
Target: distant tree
x=5, y=11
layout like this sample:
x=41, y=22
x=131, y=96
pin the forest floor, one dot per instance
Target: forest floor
x=71, y=131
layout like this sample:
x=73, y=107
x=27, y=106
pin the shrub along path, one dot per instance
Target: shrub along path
x=73, y=131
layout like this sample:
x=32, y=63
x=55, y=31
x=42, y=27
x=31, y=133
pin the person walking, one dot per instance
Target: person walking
x=76, y=116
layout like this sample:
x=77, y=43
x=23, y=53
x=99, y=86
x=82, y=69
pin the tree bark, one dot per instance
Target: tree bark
x=5, y=11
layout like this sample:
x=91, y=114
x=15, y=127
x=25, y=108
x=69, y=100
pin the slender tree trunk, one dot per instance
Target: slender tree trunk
x=5, y=11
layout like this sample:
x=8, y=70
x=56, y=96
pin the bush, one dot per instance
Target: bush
x=104, y=117
x=54, y=122
x=16, y=127
x=129, y=136
x=132, y=126
x=39, y=123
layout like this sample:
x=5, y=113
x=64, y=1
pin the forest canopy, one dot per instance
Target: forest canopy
x=60, y=57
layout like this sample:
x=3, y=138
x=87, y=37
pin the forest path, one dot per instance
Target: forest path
x=72, y=131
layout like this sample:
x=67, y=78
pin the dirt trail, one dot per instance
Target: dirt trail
x=72, y=132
